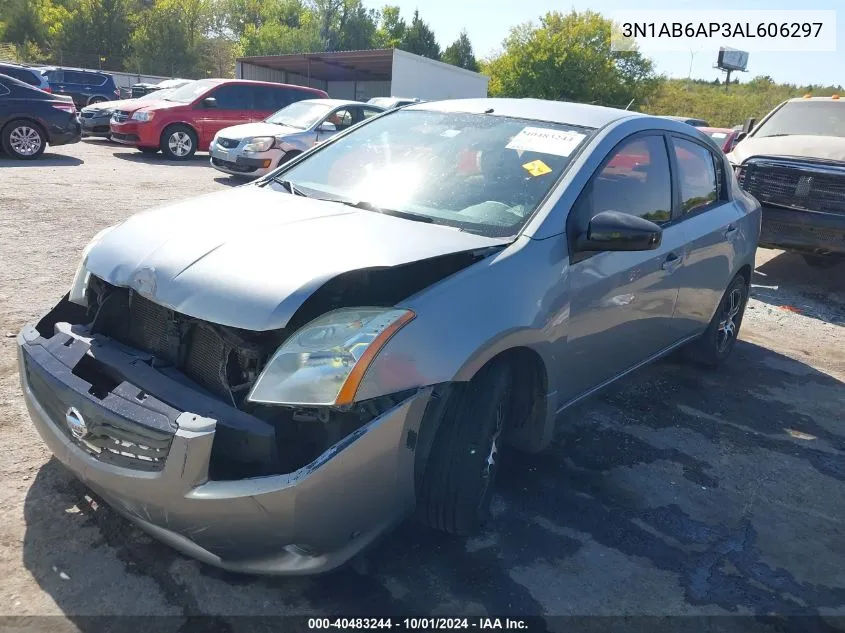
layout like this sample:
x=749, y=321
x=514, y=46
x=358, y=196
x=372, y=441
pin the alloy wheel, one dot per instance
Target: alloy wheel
x=180, y=144
x=25, y=141
x=728, y=322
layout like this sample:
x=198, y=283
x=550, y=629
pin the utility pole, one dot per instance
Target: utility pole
x=728, y=79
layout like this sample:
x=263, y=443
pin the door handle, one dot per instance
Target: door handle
x=730, y=231
x=671, y=263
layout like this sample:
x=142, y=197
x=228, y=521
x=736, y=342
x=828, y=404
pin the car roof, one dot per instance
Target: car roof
x=335, y=102
x=566, y=112
x=77, y=70
x=811, y=99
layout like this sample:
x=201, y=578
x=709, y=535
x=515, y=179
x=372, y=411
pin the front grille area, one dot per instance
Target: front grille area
x=798, y=185
x=224, y=361
x=120, y=443
x=232, y=166
x=86, y=115
x=228, y=143
x=120, y=116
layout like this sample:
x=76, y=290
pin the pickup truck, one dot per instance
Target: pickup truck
x=793, y=162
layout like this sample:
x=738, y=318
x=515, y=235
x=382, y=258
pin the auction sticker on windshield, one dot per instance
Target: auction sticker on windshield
x=546, y=141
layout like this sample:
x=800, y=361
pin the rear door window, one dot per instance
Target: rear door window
x=55, y=76
x=21, y=74
x=697, y=175
x=73, y=77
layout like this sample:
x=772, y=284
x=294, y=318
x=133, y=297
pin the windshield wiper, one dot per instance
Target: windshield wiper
x=369, y=206
x=292, y=188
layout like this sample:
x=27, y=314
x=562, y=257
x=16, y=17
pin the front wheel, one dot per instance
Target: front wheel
x=456, y=485
x=720, y=337
x=178, y=142
x=24, y=140
x=94, y=100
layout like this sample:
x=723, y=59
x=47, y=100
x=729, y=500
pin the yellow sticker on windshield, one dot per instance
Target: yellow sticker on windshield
x=537, y=168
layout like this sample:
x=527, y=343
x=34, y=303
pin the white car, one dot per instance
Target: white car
x=253, y=149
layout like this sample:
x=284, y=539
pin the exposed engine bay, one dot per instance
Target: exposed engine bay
x=216, y=365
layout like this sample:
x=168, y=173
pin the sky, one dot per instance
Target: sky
x=488, y=22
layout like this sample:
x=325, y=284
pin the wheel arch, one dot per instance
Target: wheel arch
x=532, y=419
x=170, y=124
x=28, y=119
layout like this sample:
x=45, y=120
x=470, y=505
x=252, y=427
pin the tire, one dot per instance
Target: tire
x=821, y=261
x=23, y=139
x=456, y=484
x=719, y=339
x=178, y=142
x=148, y=150
x=94, y=100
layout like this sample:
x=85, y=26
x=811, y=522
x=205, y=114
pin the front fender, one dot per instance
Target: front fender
x=512, y=299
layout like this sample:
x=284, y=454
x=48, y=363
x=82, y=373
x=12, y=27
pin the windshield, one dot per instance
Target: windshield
x=156, y=94
x=302, y=114
x=814, y=118
x=189, y=92
x=383, y=102
x=480, y=173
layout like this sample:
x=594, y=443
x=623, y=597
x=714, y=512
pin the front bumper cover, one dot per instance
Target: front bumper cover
x=308, y=521
x=805, y=231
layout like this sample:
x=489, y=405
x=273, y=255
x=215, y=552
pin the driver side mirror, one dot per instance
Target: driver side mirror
x=746, y=128
x=616, y=231
x=209, y=102
x=327, y=126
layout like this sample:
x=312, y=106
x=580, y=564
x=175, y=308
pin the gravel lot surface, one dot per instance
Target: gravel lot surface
x=676, y=491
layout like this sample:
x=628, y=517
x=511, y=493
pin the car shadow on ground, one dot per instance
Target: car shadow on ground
x=787, y=282
x=676, y=491
x=47, y=159
x=135, y=156
x=231, y=181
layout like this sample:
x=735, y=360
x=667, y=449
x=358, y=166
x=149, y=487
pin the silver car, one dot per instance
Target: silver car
x=269, y=378
x=253, y=149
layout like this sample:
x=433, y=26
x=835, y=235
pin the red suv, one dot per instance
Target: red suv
x=187, y=119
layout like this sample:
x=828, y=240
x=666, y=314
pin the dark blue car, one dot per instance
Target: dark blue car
x=85, y=87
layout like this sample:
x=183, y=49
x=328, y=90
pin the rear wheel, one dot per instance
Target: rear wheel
x=94, y=100
x=178, y=142
x=456, y=485
x=821, y=261
x=23, y=139
x=719, y=338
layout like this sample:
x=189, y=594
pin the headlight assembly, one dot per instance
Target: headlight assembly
x=323, y=363
x=142, y=116
x=80, y=280
x=259, y=144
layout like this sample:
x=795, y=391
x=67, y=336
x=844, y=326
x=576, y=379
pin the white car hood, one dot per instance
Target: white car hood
x=249, y=130
x=823, y=147
x=250, y=256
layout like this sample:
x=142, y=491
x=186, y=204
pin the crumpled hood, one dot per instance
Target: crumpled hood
x=821, y=147
x=261, y=128
x=250, y=256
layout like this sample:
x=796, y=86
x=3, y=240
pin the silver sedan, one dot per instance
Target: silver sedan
x=254, y=149
x=270, y=378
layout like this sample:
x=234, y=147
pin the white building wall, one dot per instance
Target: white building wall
x=415, y=76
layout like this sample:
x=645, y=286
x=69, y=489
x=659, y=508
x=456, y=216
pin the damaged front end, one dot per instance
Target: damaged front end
x=152, y=408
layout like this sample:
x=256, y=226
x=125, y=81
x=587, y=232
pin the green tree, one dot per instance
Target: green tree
x=391, y=28
x=419, y=39
x=95, y=33
x=460, y=53
x=170, y=37
x=568, y=57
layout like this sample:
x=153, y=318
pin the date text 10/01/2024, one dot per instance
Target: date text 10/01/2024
x=418, y=624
